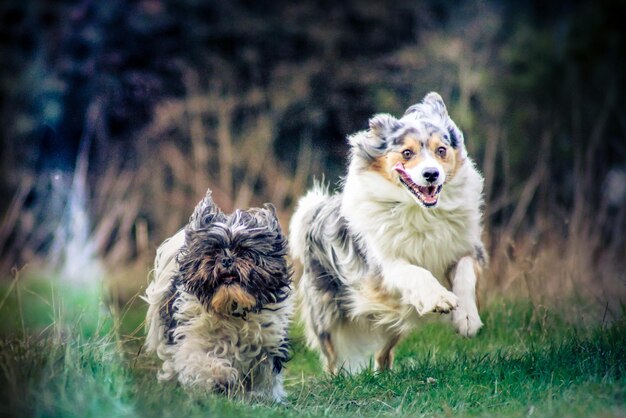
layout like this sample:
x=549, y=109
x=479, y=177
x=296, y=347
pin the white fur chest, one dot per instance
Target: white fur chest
x=433, y=239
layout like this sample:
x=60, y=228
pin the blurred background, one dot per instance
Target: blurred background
x=117, y=115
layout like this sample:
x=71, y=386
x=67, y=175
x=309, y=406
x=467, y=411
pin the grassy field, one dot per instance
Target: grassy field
x=65, y=352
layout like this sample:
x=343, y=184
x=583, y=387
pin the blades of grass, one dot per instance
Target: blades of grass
x=9, y=290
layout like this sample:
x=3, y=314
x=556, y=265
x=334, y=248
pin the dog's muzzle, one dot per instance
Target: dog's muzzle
x=428, y=196
x=226, y=275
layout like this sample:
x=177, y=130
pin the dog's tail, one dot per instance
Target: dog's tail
x=165, y=267
x=302, y=218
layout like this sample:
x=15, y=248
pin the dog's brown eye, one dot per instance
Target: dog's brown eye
x=407, y=154
x=441, y=151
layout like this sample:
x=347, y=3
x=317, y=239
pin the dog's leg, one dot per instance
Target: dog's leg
x=384, y=356
x=278, y=391
x=196, y=367
x=465, y=285
x=418, y=287
x=328, y=349
x=264, y=382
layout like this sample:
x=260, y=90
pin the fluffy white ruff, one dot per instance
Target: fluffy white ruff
x=212, y=350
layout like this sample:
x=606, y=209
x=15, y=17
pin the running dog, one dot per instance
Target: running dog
x=220, y=305
x=408, y=218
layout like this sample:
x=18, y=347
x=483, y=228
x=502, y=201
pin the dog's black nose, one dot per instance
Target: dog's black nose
x=430, y=174
x=227, y=262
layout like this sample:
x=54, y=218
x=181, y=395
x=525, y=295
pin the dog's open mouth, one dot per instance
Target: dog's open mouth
x=426, y=195
x=228, y=278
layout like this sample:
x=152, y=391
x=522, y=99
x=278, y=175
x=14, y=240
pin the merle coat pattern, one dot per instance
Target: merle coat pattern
x=376, y=254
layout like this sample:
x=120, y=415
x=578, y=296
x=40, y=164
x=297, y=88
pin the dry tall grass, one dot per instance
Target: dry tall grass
x=214, y=138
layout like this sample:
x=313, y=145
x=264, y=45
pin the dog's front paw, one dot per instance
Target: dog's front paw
x=466, y=320
x=435, y=298
x=209, y=373
x=224, y=377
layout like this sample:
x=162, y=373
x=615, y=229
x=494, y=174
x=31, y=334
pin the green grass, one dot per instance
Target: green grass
x=63, y=354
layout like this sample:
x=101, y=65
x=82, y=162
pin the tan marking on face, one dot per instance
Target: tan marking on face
x=449, y=162
x=244, y=267
x=226, y=297
x=384, y=165
x=203, y=273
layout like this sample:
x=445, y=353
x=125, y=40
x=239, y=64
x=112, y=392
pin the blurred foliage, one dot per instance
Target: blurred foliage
x=186, y=94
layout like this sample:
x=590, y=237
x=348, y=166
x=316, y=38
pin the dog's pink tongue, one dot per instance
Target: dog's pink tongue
x=399, y=168
x=429, y=193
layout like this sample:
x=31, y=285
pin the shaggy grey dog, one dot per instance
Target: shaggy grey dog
x=220, y=302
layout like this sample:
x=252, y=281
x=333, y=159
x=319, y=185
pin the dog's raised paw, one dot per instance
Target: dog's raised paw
x=436, y=299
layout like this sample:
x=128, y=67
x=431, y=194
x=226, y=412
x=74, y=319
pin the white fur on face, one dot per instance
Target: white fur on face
x=427, y=163
x=416, y=180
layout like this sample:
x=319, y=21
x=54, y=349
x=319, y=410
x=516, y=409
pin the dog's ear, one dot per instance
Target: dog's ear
x=457, y=139
x=433, y=105
x=270, y=209
x=270, y=218
x=435, y=102
x=371, y=144
x=264, y=218
x=205, y=213
x=383, y=125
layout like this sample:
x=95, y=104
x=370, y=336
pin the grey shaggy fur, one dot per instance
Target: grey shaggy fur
x=242, y=349
x=329, y=240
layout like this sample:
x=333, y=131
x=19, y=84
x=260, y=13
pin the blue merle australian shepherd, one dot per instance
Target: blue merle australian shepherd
x=376, y=254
